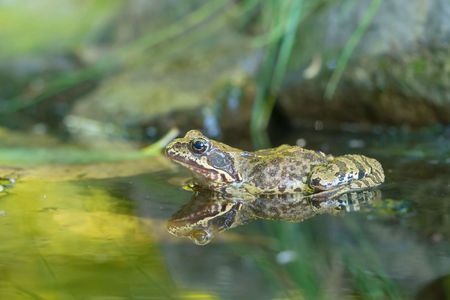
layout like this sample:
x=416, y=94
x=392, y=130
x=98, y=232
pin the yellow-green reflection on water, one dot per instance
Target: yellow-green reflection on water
x=62, y=240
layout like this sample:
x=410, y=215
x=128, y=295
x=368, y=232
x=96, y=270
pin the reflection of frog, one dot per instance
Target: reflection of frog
x=210, y=213
x=285, y=169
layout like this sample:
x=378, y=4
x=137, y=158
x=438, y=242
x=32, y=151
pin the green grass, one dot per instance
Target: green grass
x=350, y=47
x=281, y=20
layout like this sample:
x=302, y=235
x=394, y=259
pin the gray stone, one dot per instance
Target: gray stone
x=398, y=74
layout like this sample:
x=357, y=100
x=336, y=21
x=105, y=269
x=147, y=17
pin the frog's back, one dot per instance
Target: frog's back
x=279, y=170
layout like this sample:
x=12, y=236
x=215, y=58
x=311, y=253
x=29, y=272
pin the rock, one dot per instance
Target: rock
x=398, y=74
x=163, y=94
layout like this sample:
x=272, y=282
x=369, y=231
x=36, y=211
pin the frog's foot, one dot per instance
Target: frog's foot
x=6, y=183
x=347, y=173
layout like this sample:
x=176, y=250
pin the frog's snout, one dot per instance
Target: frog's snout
x=170, y=149
x=167, y=150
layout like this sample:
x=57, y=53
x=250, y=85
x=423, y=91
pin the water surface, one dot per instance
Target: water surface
x=106, y=238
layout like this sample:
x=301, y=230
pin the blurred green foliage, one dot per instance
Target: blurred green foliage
x=281, y=18
x=33, y=27
x=85, y=27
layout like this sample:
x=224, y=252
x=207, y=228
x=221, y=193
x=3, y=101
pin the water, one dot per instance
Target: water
x=107, y=239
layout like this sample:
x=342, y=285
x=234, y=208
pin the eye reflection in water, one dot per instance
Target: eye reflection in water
x=209, y=213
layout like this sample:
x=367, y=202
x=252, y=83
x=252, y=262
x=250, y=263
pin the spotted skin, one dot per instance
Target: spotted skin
x=285, y=169
x=355, y=171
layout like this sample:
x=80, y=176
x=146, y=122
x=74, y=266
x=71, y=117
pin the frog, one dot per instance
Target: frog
x=210, y=213
x=222, y=168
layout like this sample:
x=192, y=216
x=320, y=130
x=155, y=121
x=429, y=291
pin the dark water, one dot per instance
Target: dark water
x=107, y=239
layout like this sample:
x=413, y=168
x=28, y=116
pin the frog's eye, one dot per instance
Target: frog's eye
x=201, y=237
x=199, y=145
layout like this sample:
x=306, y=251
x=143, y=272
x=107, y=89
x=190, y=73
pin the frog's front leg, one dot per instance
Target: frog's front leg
x=346, y=173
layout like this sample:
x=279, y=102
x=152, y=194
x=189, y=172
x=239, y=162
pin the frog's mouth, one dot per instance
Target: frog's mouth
x=201, y=222
x=211, y=174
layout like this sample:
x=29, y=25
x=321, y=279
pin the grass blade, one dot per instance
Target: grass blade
x=350, y=48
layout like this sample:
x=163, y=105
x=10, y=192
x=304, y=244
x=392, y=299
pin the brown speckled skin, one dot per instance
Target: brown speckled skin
x=285, y=169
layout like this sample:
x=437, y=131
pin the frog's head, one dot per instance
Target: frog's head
x=205, y=216
x=211, y=162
